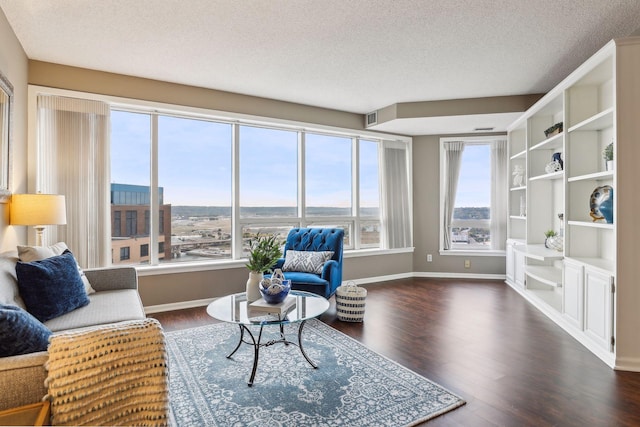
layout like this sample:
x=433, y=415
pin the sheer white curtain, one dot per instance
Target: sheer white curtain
x=452, y=159
x=499, y=194
x=73, y=160
x=397, y=206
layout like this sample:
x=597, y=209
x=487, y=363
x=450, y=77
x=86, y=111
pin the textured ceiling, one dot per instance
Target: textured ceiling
x=350, y=55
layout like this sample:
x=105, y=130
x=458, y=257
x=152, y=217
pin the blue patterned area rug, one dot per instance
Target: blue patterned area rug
x=353, y=386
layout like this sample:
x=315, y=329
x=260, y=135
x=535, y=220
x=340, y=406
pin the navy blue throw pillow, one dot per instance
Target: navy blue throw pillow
x=51, y=287
x=20, y=332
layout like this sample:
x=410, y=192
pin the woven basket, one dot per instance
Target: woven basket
x=350, y=300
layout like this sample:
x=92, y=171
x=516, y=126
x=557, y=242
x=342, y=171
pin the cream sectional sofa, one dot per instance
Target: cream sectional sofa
x=116, y=299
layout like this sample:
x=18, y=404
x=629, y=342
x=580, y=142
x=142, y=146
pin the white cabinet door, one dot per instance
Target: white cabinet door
x=573, y=293
x=510, y=259
x=598, y=310
x=519, y=268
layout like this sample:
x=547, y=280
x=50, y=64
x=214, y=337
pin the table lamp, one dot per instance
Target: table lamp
x=37, y=210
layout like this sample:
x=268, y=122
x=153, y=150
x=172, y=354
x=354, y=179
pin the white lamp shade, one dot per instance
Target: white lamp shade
x=37, y=209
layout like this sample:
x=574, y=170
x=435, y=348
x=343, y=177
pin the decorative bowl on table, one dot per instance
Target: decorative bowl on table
x=275, y=293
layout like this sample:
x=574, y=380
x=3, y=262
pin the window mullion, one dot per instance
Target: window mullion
x=236, y=226
x=302, y=201
x=355, y=191
x=154, y=202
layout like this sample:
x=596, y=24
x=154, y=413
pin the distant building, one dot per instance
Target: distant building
x=130, y=219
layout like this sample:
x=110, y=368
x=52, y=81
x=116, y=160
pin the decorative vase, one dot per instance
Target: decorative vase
x=554, y=242
x=253, y=286
x=601, y=204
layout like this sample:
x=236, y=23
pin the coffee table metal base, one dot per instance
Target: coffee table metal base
x=257, y=344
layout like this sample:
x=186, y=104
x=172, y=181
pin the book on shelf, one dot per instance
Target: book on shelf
x=281, y=308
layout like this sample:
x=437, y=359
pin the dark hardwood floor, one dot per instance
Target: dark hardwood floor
x=481, y=340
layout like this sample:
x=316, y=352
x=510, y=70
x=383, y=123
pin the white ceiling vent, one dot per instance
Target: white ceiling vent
x=371, y=119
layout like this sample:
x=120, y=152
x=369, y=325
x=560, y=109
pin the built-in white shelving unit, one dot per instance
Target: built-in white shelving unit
x=589, y=287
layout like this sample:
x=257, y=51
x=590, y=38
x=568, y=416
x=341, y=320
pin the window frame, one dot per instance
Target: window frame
x=478, y=140
x=190, y=112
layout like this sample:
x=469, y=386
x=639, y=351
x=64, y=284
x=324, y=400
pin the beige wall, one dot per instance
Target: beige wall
x=170, y=288
x=426, y=211
x=65, y=77
x=14, y=65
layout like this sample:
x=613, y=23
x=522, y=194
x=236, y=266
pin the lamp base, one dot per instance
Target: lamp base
x=39, y=234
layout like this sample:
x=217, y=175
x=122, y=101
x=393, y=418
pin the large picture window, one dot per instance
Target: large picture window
x=188, y=187
x=473, y=184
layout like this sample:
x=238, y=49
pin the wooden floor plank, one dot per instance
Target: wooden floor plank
x=483, y=341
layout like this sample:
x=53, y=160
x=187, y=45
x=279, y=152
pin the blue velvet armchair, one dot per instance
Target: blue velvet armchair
x=316, y=239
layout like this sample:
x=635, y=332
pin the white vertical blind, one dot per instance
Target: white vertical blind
x=453, y=158
x=73, y=160
x=499, y=194
x=397, y=215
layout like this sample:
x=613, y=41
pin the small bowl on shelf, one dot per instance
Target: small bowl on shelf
x=276, y=293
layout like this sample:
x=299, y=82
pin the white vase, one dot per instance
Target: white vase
x=253, y=286
x=609, y=165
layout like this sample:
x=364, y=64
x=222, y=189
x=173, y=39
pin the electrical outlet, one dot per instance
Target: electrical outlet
x=429, y=258
x=467, y=263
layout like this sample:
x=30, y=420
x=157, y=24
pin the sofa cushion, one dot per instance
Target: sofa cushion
x=51, y=287
x=306, y=261
x=9, y=292
x=105, y=307
x=20, y=332
x=36, y=253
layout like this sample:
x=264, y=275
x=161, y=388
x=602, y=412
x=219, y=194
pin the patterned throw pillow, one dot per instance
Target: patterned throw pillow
x=51, y=287
x=20, y=332
x=306, y=261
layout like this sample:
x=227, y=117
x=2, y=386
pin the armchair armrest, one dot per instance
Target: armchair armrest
x=112, y=278
x=332, y=273
x=279, y=264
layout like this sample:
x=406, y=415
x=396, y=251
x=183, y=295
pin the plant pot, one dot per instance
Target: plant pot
x=253, y=286
x=609, y=165
x=554, y=242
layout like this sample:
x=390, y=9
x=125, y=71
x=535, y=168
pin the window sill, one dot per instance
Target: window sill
x=454, y=252
x=190, y=267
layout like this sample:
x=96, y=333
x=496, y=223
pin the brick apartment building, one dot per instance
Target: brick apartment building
x=130, y=230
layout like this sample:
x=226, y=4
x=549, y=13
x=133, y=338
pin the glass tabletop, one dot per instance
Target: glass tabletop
x=236, y=309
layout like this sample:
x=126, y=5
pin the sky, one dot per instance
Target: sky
x=194, y=163
x=474, y=183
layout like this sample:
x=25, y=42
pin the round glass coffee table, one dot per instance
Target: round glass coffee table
x=236, y=309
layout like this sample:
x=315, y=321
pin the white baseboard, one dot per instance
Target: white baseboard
x=627, y=364
x=178, y=305
x=438, y=275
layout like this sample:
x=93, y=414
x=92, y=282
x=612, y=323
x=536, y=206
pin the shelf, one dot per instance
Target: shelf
x=600, y=121
x=538, y=252
x=550, y=143
x=524, y=187
x=555, y=175
x=520, y=155
x=606, y=265
x=597, y=176
x=591, y=224
x=548, y=275
x=517, y=217
x=550, y=297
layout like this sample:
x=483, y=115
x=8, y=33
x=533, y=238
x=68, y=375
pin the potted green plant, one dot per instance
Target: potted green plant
x=263, y=255
x=607, y=155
